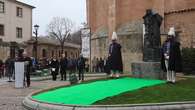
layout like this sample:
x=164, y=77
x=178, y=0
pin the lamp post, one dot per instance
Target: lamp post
x=90, y=49
x=36, y=27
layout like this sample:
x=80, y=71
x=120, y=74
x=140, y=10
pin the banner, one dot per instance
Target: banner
x=85, y=36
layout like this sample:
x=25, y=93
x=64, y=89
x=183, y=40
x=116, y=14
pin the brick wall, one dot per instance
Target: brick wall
x=112, y=14
x=184, y=23
x=178, y=4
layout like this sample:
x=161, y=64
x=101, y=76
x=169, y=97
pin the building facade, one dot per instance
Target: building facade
x=49, y=47
x=15, y=24
x=125, y=17
x=15, y=21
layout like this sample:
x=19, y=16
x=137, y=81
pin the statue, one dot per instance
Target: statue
x=152, y=41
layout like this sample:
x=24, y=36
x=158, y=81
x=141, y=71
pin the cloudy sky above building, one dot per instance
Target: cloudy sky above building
x=47, y=9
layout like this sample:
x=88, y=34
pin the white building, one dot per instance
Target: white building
x=15, y=21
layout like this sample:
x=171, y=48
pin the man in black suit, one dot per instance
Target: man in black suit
x=63, y=67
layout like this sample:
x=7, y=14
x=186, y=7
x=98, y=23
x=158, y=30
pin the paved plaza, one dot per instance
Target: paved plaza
x=11, y=98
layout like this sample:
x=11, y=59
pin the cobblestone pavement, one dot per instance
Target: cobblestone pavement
x=11, y=98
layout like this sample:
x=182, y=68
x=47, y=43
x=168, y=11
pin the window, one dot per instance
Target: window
x=18, y=32
x=66, y=54
x=52, y=53
x=2, y=7
x=1, y=30
x=19, y=12
x=44, y=53
x=59, y=53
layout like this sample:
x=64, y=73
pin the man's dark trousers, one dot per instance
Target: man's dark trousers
x=81, y=74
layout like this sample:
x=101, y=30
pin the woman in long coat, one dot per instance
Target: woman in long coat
x=116, y=64
x=54, y=68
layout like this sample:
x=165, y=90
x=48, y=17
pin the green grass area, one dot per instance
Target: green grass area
x=88, y=93
x=183, y=90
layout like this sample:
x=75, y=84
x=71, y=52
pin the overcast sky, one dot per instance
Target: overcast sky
x=47, y=9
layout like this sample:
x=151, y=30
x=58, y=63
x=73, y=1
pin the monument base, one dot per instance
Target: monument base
x=147, y=70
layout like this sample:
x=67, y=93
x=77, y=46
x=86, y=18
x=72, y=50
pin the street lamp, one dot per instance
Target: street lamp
x=36, y=27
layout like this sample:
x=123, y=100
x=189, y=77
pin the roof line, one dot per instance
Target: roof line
x=22, y=3
x=180, y=11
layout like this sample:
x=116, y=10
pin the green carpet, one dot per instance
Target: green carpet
x=87, y=94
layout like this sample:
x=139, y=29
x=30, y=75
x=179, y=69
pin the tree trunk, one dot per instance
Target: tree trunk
x=62, y=49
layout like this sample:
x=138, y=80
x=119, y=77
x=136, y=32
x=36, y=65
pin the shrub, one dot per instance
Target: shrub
x=188, y=56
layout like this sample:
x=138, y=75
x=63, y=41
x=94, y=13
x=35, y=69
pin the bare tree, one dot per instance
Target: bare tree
x=60, y=28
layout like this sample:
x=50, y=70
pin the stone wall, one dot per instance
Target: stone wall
x=185, y=25
x=130, y=37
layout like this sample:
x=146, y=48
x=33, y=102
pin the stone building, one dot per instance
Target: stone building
x=125, y=17
x=15, y=25
x=50, y=47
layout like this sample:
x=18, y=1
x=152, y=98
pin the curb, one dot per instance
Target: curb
x=32, y=104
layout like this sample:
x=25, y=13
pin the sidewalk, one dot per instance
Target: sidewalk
x=50, y=77
x=11, y=98
x=185, y=76
x=3, y=81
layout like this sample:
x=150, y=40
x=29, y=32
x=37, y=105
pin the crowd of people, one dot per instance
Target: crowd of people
x=99, y=64
x=7, y=68
x=57, y=66
x=70, y=65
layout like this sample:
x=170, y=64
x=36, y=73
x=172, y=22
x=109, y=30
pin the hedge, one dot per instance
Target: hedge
x=188, y=56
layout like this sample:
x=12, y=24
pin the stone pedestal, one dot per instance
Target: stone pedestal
x=148, y=70
x=151, y=54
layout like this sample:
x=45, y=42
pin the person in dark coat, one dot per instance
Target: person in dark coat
x=101, y=65
x=1, y=68
x=27, y=67
x=23, y=57
x=171, y=61
x=97, y=65
x=81, y=67
x=63, y=67
x=54, y=68
x=74, y=65
x=9, y=68
x=94, y=62
x=71, y=65
x=116, y=64
x=107, y=66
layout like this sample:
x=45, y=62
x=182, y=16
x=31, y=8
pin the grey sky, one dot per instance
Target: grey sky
x=47, y=9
